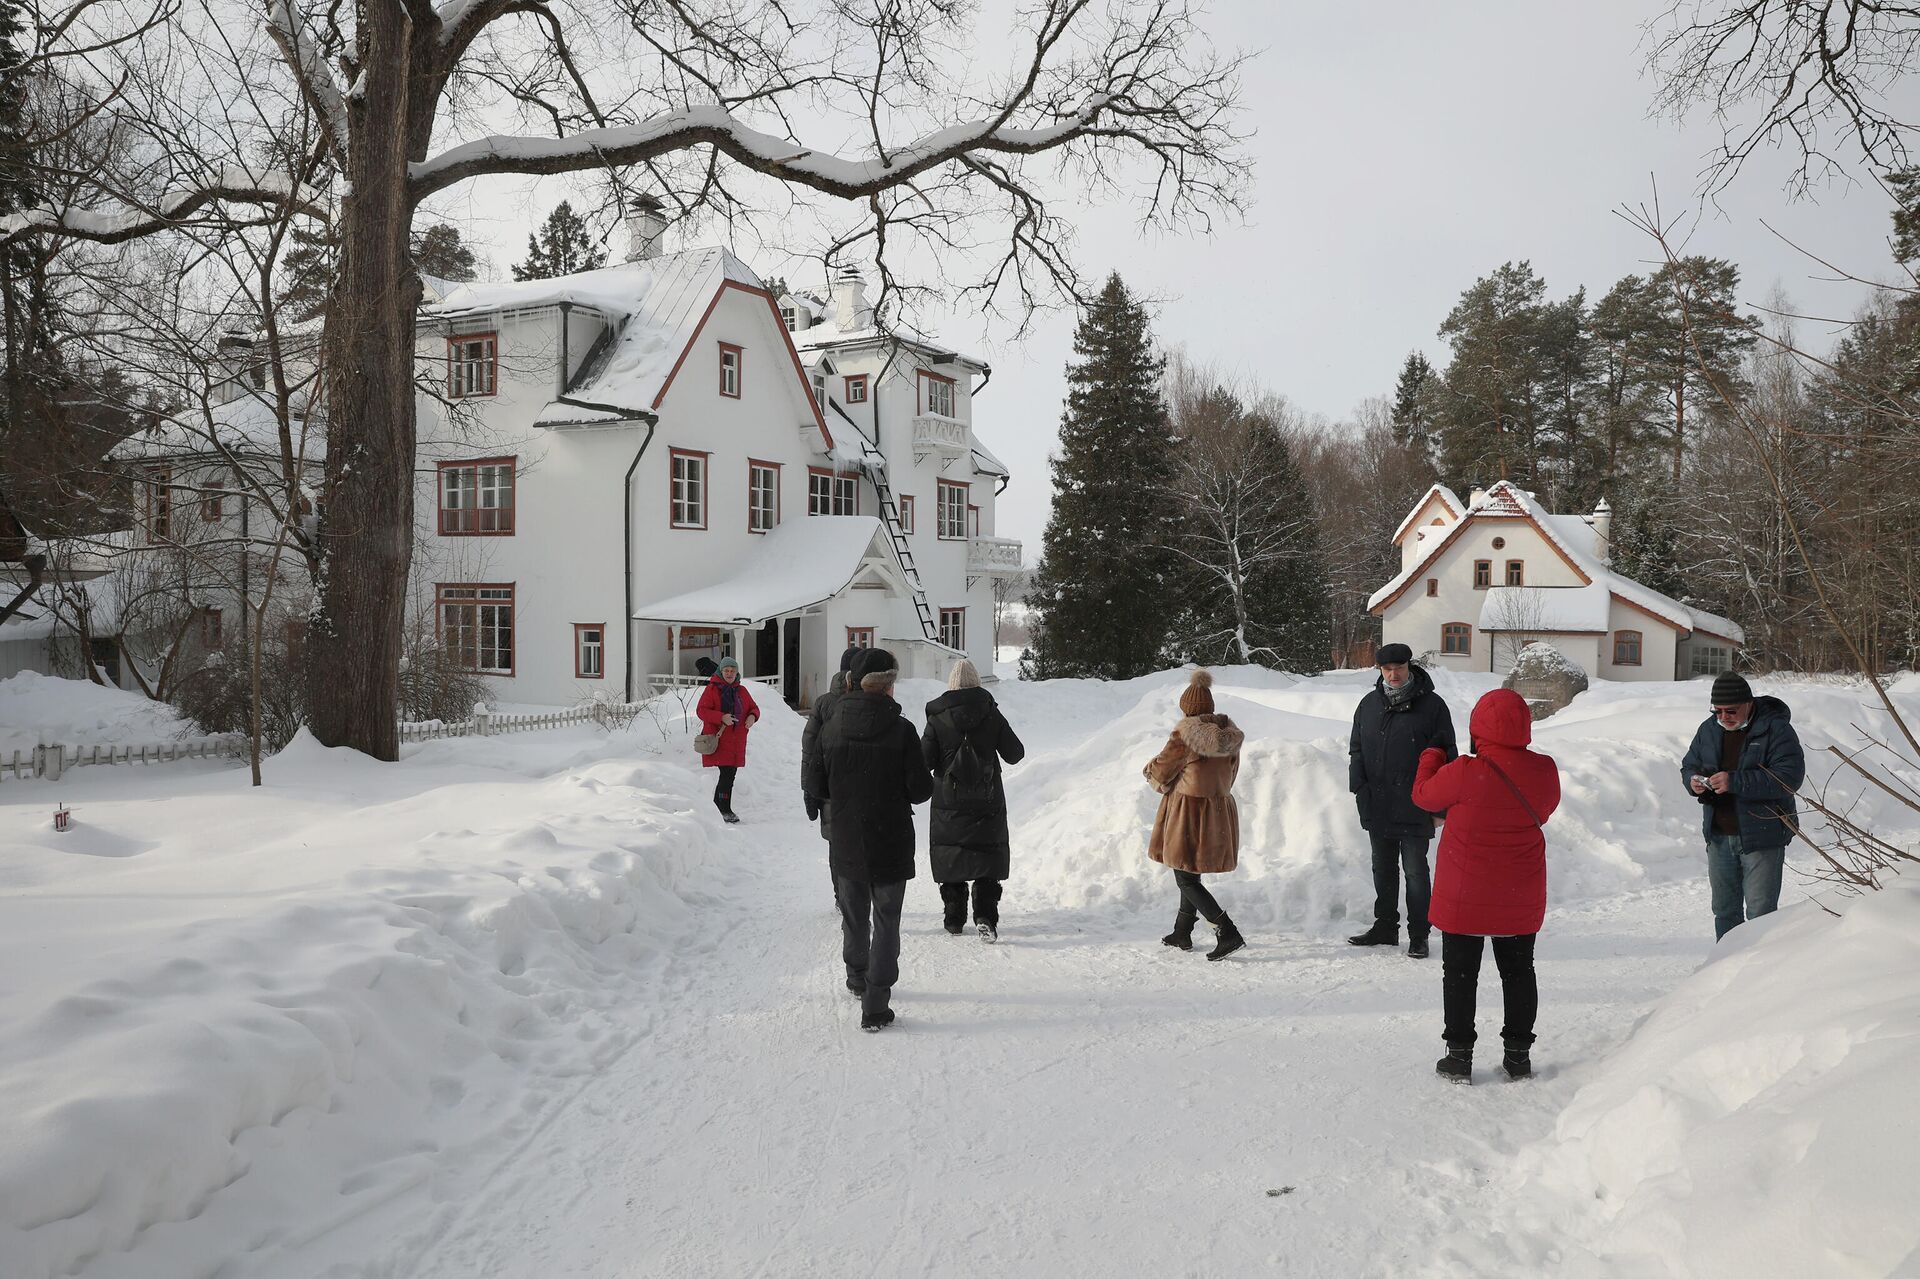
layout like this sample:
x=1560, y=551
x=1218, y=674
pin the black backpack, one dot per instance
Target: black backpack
x=966, y=771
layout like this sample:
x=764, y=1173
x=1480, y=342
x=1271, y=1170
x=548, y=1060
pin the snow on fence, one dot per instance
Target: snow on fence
x=50, y=762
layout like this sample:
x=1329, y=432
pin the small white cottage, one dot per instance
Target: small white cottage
x=1481, y=579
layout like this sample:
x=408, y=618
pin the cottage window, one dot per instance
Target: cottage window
x=906, y=512
x=859, y=637
x=210, y=633
x=857, y=388
x=476, y=498
x=936, y=394
x=763, y=496
x=472, y=365
x=830, y=493
x=1516, y=572
x=953, y=627
x=950, y=515
x=589, y=650
x=159, y=495
x=476, y=625
x=1456, y=639
x=212, y=501
x=1433, y=587
x=1482, y=574
x=688, y=499
x=730, y=370
x=1710, y=659
x=1626, y=648
x=973, y=520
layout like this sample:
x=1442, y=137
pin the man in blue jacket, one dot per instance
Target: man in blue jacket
x=1744, y=766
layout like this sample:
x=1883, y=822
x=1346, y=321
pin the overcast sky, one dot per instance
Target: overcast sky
x=1400, y=151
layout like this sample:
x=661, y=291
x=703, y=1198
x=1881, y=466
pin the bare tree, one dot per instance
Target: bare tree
x=1519, y=616
x=705, y=101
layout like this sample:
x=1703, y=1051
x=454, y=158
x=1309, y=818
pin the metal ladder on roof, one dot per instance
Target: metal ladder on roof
x=873, y=464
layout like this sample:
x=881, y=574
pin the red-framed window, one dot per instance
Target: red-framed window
x=856, y=388
x=831, y=493
x=973, y=520
x=159, y=503
x=1433, y=587
x=473, y=365
x=210, y=632
x=589, y=650
x=687, y=496
x=953, y=627
x=935, y=394
x=859, y=637
x=476, y=498
x=950, y=511
x=731, y=361
x=763, y=495
x=1626, y=648
x=213, y=497
x=475, y=621
x=1482, y=574
x=906, y=512
x=1516, y=572
x=1456, y=639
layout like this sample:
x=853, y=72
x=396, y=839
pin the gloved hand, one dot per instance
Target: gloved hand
x=813, y=808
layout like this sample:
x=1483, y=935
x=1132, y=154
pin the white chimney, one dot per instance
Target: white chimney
x=1602, y=521
x=1476, y=497
x=850, y=309
x=646, y=223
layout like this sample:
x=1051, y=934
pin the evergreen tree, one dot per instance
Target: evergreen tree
x=1697, y=343
x=1103, y=597
x=1414, y=397
x=561, y=247
x=1490, y=427
x=440, y=251
x=1625, y=412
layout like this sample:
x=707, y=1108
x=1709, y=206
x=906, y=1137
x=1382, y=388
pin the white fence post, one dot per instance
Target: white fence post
x=481, y=716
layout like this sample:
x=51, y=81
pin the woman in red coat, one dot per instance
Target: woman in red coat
x=1490, y=879
x=727, y=708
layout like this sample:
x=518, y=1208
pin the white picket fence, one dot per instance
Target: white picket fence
x=486, y=723
x=50, y=762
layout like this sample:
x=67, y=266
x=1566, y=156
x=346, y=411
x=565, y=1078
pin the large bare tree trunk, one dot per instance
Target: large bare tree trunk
x=353, y=663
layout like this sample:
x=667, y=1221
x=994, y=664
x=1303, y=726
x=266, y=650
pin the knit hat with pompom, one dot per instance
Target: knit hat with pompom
x=1197, y=699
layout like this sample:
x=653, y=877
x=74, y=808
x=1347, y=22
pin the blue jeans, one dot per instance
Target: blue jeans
x=1746, y=882
x=1391, y=855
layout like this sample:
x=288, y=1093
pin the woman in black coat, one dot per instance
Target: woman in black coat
x=965, y=740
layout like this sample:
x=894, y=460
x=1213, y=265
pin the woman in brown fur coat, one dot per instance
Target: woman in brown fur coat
x=1197, y=831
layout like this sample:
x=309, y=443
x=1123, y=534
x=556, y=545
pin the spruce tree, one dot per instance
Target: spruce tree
x=1104, y=596
x=440, y=251
x=1413, y=401
x=561, y=247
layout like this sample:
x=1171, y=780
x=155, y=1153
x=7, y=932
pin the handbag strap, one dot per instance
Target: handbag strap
x=1502, y=774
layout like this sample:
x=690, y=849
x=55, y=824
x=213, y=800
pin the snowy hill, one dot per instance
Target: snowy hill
x=521, y=1006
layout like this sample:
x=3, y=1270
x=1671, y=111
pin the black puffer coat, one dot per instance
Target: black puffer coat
x=969, y=826
x=818, y=719
x=869, y=766
x=1384, y=754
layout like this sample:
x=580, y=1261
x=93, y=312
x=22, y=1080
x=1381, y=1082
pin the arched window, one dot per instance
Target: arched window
x=1626, y=648
x=1456, y=639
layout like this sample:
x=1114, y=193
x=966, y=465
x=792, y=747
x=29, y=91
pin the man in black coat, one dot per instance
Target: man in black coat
x=1744, y=766
x=965, y=740
x=810, y=736
x=869, y=765
x=1401, y=717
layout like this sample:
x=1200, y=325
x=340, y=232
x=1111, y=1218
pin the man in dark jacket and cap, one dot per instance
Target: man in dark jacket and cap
x=1400, y=718
x=964, y=743
x=868, y=764
x=810, y=735
x=1744, y=766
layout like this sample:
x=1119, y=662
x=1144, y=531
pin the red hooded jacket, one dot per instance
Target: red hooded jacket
x=733, y=737
x=1490, y=877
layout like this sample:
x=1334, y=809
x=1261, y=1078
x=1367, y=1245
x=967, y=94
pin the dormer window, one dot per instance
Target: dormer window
x=857, y=389
x=789, y=318
x=472, y=365
x=936, y=394
x=730, y=370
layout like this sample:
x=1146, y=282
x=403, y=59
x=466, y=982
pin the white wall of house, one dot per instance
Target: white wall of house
x=1416, y=619
x=1659, y=644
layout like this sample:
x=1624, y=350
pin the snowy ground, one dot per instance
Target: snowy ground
x=523, y=1007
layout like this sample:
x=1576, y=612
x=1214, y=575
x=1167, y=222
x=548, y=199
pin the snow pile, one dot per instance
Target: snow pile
x=270, y=1013
x=38, y=710
x=1759, y=1121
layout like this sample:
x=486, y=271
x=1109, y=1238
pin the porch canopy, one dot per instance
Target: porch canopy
x=802, y=563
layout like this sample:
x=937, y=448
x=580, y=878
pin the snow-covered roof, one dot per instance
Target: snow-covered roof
x=246, y=427
x=985, y=462
x=1546, y=608
x=801, y=563
x=1574, y=537
x=825, y=334
x=1440, y=491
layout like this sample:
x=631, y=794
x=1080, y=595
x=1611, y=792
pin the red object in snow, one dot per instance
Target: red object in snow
x=61, y=818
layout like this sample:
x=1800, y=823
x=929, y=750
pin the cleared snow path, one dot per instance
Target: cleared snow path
x=1076, y=1100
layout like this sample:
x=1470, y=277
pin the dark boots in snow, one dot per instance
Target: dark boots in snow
x=871, y=1022
x=1417, y=948
x=1229, y=941
x=858, y=985
x=1457, y=1065
x=1181, y=938
x=1518, y=1063
x=1378, y=935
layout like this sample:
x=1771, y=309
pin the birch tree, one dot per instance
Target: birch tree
x=717, y=106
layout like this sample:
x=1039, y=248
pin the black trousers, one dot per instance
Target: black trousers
x=723, y=788
x=1460, y=987
x=870, y=936
x=986, y=901
x=1195, y=899
x=1391, y=855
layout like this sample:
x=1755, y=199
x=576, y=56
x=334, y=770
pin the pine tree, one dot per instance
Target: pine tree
x=440, y=251
x=1490, y=428
x=1104, y=596
x=561, y=247
x=1698, y=343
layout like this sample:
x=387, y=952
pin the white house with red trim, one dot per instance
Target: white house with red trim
x=1480, y=579
x=629, y=468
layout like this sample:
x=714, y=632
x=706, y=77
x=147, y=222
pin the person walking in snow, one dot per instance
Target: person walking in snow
x=1197, y=830
x=1395, y=722
x=870, y=772
x=1744, y=766
x=965, y=741
x=1491, y=876
x=810, y=741
x=727, y=709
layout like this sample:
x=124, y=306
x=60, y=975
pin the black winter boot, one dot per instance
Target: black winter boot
x=1378, y=935
x=1181, y=938
x=871, y=1022
x=1229, y=941
x=1417, y=948
x=1518, y=1063
x=1457, y=1065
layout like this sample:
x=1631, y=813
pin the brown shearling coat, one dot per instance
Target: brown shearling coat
x=1198, y=826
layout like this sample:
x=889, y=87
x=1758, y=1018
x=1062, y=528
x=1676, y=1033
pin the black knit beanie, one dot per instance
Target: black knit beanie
x=1730, y=689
